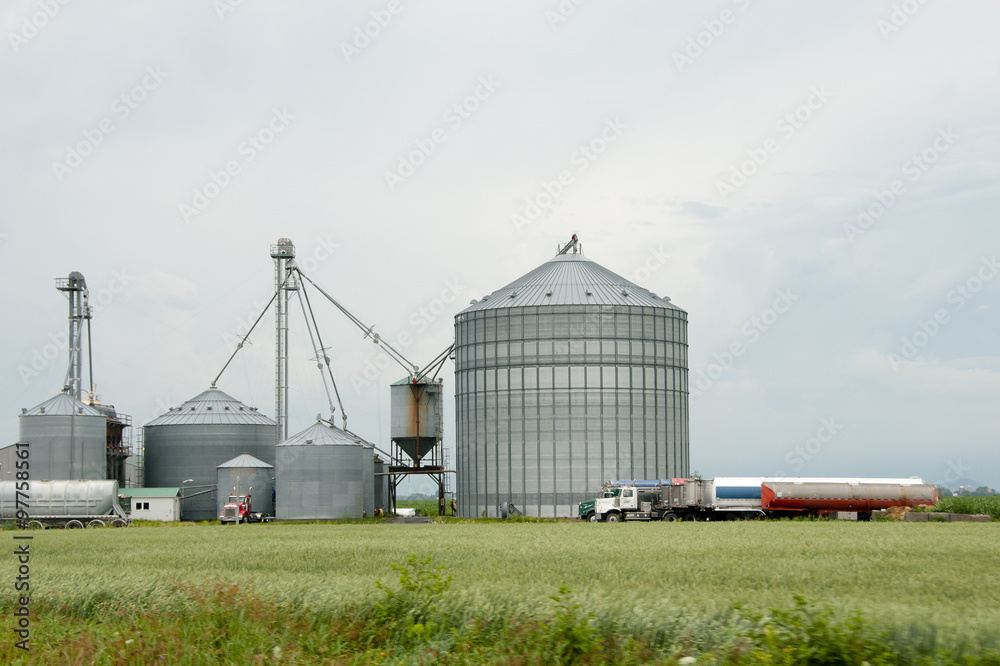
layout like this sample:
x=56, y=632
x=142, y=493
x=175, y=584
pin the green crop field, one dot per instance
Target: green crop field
x=985, y=505
x=632, y=593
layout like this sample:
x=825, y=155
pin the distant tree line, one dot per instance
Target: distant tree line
x=966, y=491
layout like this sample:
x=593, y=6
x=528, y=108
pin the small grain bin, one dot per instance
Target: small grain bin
x=246, y=475
x=324, y=472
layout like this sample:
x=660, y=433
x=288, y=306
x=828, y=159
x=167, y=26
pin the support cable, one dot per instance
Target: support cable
x=318, y=350
x=326, y=359
x=437, y=363
x=368, y=330
x=239, y=346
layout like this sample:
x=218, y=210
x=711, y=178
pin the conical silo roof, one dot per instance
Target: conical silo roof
x=62, y=405
x=212, y=407
x=570, y=279
x=244, y=461
x=322, y=434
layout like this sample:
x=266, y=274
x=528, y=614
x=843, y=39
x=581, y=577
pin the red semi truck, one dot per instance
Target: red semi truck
x=239, y=510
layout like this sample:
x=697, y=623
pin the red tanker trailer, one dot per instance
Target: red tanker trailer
x=818, y=498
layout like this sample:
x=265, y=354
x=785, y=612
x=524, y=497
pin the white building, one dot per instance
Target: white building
x=161, y=504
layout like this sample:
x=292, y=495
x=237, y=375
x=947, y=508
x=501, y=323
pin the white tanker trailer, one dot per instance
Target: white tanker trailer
x=69, y=504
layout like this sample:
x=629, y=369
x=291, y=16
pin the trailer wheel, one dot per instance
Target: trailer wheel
x=36, y=525
x=613, y=518
x=693, y=517
x=594, y=518
x=670, y=517
x=118, y=522
x=74, y=525
x=95, y=523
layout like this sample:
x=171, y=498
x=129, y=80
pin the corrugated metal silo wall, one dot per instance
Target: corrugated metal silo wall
x=381, y=486
x=257, y=481
x=66, y=447
x=324, y=482
x=553, y=401
x=174, y=453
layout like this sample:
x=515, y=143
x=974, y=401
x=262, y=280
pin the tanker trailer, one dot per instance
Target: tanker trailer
x=68, y=504
x=786, y=498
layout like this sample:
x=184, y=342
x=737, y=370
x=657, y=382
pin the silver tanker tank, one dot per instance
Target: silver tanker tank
x=61, y=499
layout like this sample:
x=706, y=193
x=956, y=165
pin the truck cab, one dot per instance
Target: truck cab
x=237, y=510
x=610, y=504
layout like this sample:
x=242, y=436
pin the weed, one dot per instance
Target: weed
x=410, y=609
x=570, y=634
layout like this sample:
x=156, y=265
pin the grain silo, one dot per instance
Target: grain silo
x=382, y=482
x=67, y=439
x=246, y=475
x=566, y=378
x=185, y=446
x=324, y=472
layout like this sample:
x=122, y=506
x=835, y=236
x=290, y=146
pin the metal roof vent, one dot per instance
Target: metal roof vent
x=625, y=293
x=513, y=294
x=666, y=298
x=590, y=293
x=41, y=411
x=548, y=293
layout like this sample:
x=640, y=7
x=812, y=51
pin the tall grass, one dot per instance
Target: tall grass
x=663, y=584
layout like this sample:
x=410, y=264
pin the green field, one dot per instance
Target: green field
x=660, y=590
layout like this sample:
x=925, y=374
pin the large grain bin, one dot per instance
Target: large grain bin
x=566, y=378
x=67, y=440
x=324, y=472
x=188, y=443
x=246, y=475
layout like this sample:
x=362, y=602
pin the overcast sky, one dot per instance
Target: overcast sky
x=815, y=183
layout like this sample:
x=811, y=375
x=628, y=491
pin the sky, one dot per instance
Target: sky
x=816, y=184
